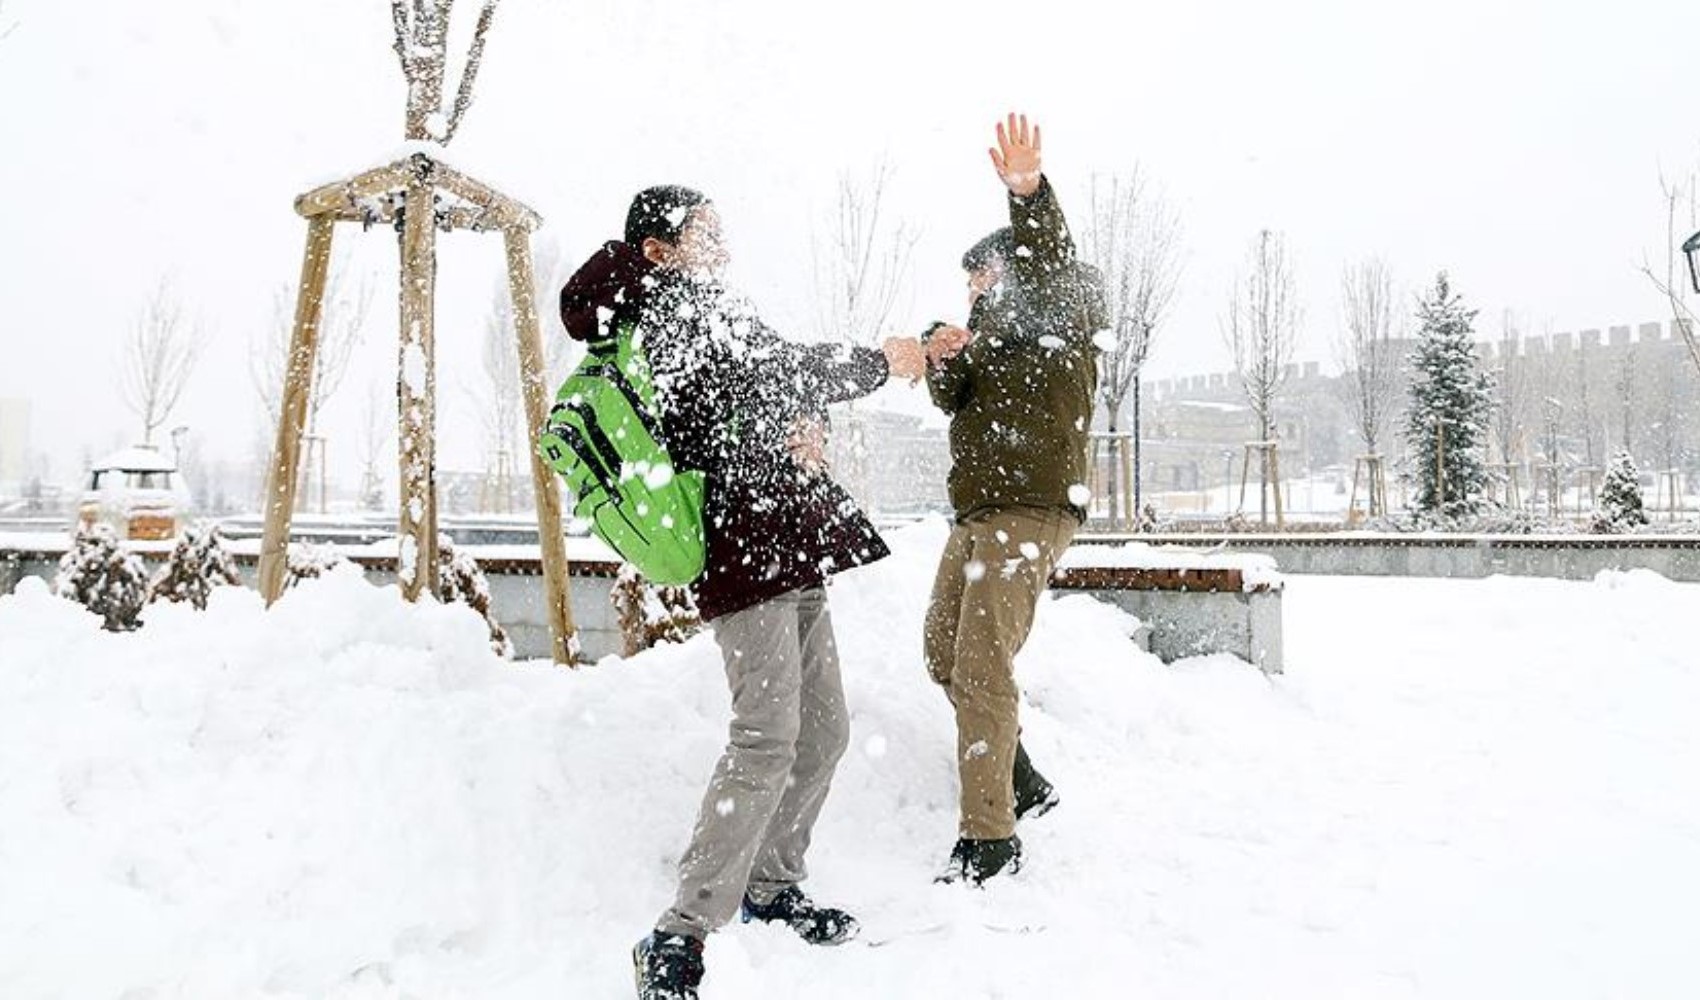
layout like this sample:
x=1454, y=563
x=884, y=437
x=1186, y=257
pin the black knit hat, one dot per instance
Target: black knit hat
x=660, y=212
x=1000, y=245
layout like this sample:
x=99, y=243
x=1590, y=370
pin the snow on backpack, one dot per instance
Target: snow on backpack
x=604, y=437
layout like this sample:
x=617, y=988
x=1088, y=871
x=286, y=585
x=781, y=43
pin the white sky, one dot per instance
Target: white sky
x=1516, y=144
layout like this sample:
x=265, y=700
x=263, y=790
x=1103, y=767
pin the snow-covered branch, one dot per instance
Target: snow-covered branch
x=421, y=45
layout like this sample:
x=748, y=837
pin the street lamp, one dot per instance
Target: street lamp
x=177, y=444
x=1692, y=250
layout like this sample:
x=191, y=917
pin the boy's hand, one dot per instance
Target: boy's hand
x=1016, y=157
x=905, y=357
x=946, y=342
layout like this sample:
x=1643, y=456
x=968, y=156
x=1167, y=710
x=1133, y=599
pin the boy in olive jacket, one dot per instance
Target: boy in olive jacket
x=1018, y=385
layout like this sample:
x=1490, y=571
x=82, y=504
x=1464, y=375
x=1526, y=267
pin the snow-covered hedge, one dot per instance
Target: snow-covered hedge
x=98, y=574
x=649, y=614
x=198, y=563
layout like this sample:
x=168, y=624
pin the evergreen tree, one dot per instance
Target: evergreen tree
x=199, y=562
x=461, y=579
x=1446, y=422
x=309, y=561
x=98, y=574
x=651, y=614
x=1620, y=503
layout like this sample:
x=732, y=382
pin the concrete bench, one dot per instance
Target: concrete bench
x=1194, y=604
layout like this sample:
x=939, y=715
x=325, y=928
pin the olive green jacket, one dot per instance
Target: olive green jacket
x=1020, y=396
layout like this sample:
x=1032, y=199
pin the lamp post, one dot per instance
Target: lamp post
x=177, y=445
x=1691, y=249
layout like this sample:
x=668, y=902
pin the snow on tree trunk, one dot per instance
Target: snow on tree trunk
x=98, y=574
x=650, y=614
x=198, y=563
x=1621, y=507
x=1451, y=401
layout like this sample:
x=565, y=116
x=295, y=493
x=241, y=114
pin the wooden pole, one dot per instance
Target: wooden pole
x=1128, y=500
x=1377, y=487
x=1352, y=501
x=1095, y=483
x=1440, y=466
x=1275, y=475
x=1245, y=473
x=416, y=392
x=298, y=384
x=521, y=285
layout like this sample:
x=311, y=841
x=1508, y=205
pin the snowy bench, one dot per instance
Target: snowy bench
x=1192, y=603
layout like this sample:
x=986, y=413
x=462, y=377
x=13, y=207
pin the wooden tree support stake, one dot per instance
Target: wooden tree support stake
x=549, y=535
x=298, y=384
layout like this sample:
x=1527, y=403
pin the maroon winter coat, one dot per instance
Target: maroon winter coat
x=730, y=390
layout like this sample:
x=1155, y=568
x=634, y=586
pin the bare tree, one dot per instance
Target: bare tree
x=422, y=45
x=1682, y=200
x=1134, y=242
x=861, y=268
x=158, y=359
x=1669, y=415
x=1624, y=386
x=498, y=398
x=346, y=306
x=1261, y=331
x=377, y=421
x=6, y=28
x=1513, y=380
x=1592, y=459
x=861, y=264
x=1366, y=351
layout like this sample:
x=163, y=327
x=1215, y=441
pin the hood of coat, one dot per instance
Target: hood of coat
x=611, y=283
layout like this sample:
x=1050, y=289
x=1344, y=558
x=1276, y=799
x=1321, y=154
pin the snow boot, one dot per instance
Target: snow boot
x=814, y=924
x=975, y=861
x=668, y=967
x=1034, y=796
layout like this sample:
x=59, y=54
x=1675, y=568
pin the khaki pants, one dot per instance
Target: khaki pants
x=789, y=728
x=995, y=567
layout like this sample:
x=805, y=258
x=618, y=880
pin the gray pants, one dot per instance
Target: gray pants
x=789, y=728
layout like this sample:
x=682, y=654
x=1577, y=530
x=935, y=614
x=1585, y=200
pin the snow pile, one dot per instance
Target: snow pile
x=1460, y=789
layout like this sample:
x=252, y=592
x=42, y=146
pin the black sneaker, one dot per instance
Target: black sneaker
x=668, y=966
x=814, y=924
x=1034, y=796
x=975, y=861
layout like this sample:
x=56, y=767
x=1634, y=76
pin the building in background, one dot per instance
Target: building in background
x=14, y=445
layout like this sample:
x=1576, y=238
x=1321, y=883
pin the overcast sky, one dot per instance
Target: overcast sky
x=1517, y=145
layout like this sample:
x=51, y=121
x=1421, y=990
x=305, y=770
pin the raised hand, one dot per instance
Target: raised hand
x=1016, y=157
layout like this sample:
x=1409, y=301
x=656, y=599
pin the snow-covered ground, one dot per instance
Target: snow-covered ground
x=1460, y=789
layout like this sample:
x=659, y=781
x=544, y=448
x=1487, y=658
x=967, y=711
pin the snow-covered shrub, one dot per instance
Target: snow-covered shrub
x=98, y=574
x=1621, y=507
x=307, y=561
x=459, y=579
x=198, y=563
x=650, y=614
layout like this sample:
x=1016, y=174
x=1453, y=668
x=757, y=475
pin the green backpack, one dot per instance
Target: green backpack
x=604, y=437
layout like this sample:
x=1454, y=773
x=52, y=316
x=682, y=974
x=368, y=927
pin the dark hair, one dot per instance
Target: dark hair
x=661, y=212
x=1000, y=245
